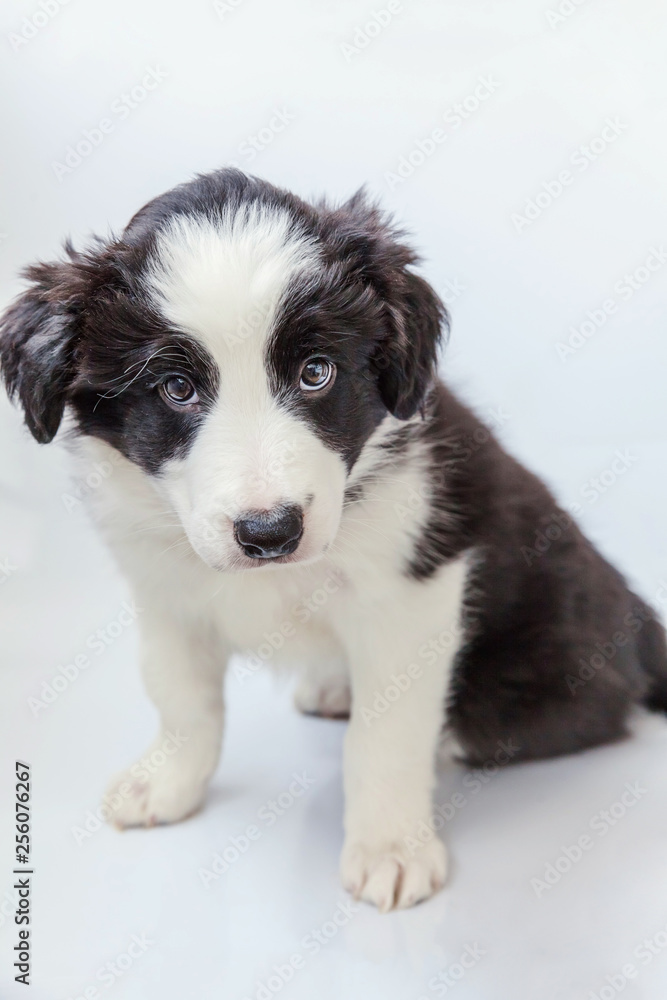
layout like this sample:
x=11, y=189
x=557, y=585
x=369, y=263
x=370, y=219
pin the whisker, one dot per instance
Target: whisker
x=108, y=395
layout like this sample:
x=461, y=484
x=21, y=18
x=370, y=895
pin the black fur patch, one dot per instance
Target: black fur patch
x=84, y=335
x=369, y=314
x=115, y=396
x=556, y=649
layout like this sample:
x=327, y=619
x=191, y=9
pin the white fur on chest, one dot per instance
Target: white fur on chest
x=293, y=609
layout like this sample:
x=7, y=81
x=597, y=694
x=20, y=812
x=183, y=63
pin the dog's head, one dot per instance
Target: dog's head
x=238, y=345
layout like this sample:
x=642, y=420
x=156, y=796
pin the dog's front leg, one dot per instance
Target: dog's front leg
x=183, y=661
x=391, y=855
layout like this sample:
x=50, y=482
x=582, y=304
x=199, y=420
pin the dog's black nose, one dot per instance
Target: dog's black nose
x=267, y=534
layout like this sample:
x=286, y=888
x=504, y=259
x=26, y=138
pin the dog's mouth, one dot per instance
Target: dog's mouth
x=242, y=561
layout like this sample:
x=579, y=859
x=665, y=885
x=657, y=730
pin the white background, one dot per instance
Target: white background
x=354, y=114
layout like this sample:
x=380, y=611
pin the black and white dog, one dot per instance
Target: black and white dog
x=261, y=372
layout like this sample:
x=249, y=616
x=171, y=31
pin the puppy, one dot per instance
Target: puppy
x=261, y=372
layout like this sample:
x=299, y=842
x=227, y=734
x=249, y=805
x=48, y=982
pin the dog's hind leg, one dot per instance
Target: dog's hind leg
x=323, y=687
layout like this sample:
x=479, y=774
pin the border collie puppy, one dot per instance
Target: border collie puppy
x=261, y=373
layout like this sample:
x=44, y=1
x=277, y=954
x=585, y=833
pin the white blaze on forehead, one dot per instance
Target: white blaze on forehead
x=222, y=280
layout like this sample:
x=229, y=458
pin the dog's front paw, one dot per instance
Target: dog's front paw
x=390, y=876
x=140, y=798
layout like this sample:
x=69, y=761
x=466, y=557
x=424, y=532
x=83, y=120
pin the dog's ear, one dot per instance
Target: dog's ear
x=37, y=335
x=407, y=358
x=413, y=319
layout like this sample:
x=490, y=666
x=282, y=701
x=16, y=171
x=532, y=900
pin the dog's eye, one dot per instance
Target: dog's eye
x=179, y=390
x=317, y=373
